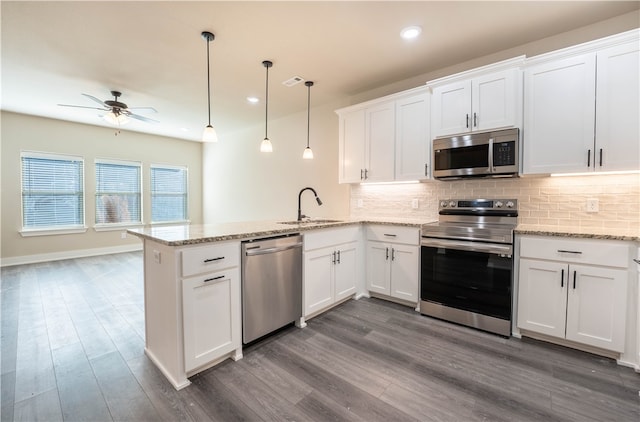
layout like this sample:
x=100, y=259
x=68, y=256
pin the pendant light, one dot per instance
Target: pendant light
x=265, y=145
x=308, y=153
x=209, y=133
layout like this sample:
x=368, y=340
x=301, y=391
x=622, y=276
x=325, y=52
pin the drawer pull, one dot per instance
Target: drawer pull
x=214, y=278
x=390, y=235
x=566, y=251
x=213, y=259
x=637, y=261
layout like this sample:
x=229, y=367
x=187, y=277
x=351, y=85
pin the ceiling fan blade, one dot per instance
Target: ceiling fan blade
x=79, y=106
x=97, y=100
x=151, y=109
x=142, y=118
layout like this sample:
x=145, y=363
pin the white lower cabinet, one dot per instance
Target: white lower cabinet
x=330, y=267
x=393, y=261
x=211, y=317
x=575, y=290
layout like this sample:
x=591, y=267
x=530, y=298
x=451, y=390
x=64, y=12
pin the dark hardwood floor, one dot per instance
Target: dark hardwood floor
x=73, y=340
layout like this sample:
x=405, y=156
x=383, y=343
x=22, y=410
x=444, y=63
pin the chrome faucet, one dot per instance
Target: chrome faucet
x=300, y=215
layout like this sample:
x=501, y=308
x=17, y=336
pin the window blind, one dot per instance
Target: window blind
x=52, y=191
x=118, y=198
x=168, y=194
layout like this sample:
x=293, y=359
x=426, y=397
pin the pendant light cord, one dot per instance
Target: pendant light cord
x=308, y=111
x=208, y=81
x=266, y=105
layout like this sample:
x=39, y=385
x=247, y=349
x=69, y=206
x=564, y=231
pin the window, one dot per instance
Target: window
x=118, y=199
x=52, y=191
x=168, y=194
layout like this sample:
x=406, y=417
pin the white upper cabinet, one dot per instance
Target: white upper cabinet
x=379, y=148
x=581, y=108
x=559, y=115
x=386, y=139
x=618, y=108
x=412, y=137
x=477, y=100
x=352, y=146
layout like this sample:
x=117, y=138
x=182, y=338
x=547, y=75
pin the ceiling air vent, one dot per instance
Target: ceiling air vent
x=292, y=81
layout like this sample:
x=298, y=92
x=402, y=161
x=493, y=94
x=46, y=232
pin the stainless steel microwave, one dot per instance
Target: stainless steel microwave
x=487, y=154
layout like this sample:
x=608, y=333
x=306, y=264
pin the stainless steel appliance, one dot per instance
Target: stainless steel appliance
x=467, y=263
x=488, y=154
x=271, y=285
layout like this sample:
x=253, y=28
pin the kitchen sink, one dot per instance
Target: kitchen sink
x=308, y=222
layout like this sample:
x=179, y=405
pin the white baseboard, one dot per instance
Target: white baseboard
x=57, y=256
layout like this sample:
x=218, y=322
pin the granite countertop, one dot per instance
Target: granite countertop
x=580, y=232
x=192, y=234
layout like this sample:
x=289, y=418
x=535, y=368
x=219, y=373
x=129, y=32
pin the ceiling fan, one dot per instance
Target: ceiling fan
x=118, y=113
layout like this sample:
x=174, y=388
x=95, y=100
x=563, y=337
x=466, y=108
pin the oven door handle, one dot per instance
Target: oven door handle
x=492, y=248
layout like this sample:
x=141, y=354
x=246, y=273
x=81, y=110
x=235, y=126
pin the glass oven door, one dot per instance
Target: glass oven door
x=470, y=280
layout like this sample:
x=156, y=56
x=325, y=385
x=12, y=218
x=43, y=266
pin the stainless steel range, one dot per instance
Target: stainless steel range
x=467, y=263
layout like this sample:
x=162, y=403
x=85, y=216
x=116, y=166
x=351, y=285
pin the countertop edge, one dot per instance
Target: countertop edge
x=576, y=234
x=289, y=229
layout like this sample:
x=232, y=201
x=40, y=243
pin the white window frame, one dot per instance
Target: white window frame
x=55, y=229
x=118, y=225
x=186, y=193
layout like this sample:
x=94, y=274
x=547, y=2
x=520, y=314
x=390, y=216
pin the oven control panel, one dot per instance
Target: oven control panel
x=479, y=204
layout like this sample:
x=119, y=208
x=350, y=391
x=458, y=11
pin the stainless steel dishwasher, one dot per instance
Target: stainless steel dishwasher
x=271, y=285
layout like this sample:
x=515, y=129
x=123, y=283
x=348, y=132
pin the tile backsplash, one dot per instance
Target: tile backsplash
x=549, y=201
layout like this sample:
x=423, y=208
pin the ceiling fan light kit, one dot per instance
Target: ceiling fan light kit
x=209, y=134
x=265, y=145
x=118, y=113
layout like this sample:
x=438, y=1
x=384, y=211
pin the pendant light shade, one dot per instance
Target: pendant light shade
x=265, y=145
x=209, y=133
x=308, y=153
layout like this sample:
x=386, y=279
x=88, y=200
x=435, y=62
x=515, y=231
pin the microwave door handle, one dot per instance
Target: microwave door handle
x=491, y=155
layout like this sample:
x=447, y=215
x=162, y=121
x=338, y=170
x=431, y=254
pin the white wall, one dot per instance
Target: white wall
x=242, y=184
x=29, y=133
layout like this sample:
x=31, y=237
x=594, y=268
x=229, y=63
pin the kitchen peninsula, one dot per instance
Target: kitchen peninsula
x=189, y=328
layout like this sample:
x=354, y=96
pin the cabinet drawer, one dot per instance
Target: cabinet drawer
x=594, y=252
x=208, y=258
x=330, y=237
x=395, y=234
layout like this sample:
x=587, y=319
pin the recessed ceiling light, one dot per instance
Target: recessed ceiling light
x=253, y=100
x=410, y=32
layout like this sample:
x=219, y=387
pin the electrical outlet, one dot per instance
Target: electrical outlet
x=157, y=256
x=415, y=204
x=359, y=203
x=593, y=205
x=123, y=235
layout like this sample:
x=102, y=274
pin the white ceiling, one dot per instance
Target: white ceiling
x=152, y=51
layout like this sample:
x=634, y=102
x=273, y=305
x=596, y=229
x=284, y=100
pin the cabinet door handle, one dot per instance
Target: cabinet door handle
x=366, y=174
x=475, y=120
x=333, y=260
x=214, y=278
x=467, y=120
x=567, y=251
x=600, y=157
x=393, y=254
x=386, y=258
x=213, y=259
x=426, y=172
x=338, y=257
x=589, y=158
x=562, y=279
x=574, y=279
x=361, y=174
